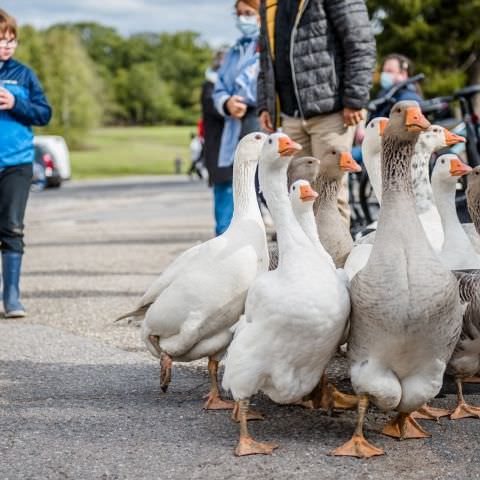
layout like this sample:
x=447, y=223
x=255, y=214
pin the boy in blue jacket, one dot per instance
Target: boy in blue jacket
x=22, y=105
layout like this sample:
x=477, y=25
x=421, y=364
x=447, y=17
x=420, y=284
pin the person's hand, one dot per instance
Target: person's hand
x=265, y=121
x=236, y=107
x=352, y=117
x=7, y=100
x=359, y=135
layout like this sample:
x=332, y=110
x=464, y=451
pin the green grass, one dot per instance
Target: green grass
x=117, y=151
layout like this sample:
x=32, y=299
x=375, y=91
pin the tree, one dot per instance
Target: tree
x=72, y=85
x=440, y=36
x=144, y=95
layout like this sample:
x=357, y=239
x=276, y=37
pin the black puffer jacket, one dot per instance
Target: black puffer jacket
x=333, y=53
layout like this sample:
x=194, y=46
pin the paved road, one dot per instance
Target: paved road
x=80, y=398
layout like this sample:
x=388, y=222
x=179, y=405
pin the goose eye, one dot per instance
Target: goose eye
x=294, y=188
x=310, y=162
x=399, y=110
x=333, y=152
x=270, y=141
x=443, y=161
x=258, y=137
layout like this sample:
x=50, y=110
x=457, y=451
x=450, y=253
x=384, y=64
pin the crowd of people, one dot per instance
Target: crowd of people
x=304, y=68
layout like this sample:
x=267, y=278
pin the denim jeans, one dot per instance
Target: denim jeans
x=223, y=199
x=14, y=189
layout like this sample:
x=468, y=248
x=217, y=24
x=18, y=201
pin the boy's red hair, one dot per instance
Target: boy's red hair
x=251, y=3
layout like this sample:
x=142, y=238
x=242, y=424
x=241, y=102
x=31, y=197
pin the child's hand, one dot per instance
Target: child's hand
x=7, y=100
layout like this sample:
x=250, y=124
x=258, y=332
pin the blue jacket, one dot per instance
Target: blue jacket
x=237, y=76
x=31, y=108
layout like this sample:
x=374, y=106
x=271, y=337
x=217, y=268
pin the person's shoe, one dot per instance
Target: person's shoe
x=11, y=266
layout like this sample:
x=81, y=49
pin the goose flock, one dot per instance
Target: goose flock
x=405, y=299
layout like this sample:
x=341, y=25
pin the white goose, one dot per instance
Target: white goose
x=457, y=251
x=190, y=308
x=294, y=315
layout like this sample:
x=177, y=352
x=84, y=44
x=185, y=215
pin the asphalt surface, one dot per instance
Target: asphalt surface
x=80, y=397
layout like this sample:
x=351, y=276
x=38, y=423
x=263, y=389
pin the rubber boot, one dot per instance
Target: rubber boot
x=11, y=265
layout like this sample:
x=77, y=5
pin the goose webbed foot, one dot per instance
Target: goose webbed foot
x=425, y=412
x=249, y=446
x=404, y=426
x=343, y=401
x=215, y=402
x=358, y=447
x=463, y=410
x=246, y=444
x=165, y=371
x=326, y=396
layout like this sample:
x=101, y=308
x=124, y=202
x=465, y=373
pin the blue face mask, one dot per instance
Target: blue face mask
x=248, y=25
x=386, y=80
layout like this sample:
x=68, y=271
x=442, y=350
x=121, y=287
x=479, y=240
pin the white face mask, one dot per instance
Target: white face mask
x=386, y=80
x=248, y=25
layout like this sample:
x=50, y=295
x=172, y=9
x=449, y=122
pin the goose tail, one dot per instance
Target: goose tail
x=139, y=312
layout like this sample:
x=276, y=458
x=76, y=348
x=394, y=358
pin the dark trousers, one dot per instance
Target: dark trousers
x=14, y=189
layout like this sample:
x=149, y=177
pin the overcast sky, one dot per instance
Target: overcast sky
x=212, y=18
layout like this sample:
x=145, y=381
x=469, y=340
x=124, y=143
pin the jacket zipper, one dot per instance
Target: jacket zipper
x=292, y=41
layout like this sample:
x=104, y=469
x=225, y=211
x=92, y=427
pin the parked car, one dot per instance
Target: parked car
x=52, y=161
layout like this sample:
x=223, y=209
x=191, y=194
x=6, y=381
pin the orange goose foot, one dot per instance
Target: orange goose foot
x=404, y=426
x=358, y=447
x=464, y=410
x=249, y=446
x=426, y=412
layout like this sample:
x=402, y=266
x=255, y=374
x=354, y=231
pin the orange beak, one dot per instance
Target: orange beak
x=452, y=138
x=458, y=168
x=348, y=164
x=287, y=147
x=382, y=125
x=307, y=193
x=415, y=121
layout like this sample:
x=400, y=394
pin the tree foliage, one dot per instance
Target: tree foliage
x=440, y=36
x=92, y=74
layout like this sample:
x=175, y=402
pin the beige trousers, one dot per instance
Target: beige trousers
x=316, y=135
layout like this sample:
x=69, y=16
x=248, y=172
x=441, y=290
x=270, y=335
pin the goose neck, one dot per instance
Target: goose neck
x=422, y=187
x=244, y=194
x=273, y=181
x=444, y=193
x=396, y=166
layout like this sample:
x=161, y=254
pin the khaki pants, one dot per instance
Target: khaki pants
x=316, y=135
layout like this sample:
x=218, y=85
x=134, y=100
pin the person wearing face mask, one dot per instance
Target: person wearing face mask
x=396, y=69
x=235, y=98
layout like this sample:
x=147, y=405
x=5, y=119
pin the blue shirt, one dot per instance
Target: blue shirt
x=31, y=108
x=237, y=76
